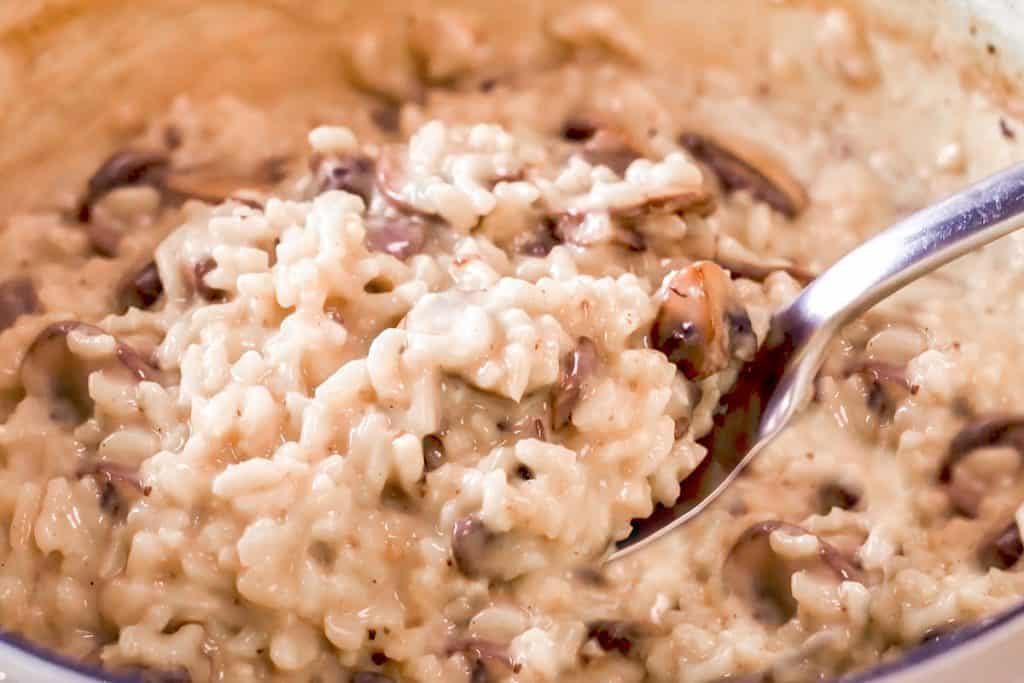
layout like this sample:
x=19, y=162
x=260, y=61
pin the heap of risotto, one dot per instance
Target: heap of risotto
x=375, y=411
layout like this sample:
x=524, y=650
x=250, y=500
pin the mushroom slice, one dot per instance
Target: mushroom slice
x=122, y=169
x=754, y=170
x=399, y=235
x=995, y=429
x=50, y=370
x=615, y=635
x=199, y=272
x=470, y=539
x=139, y=289
x=17, y=298
x=353, y=173
x=390, y=179
x=1003, y=549
x=887, y=384
x=610, y=149
x=743, y=263
x=755, y=572
x=692, y=327
x=577, y=368
x=982, y=431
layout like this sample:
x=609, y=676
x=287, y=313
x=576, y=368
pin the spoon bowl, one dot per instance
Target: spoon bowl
x=771, y=389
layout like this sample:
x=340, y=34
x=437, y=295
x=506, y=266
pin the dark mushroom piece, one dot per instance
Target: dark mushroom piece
x=759, y=272
x=887, y=384
x=123, y=169
x=760, y=576
x=763, y=176
x=140, y=289
x=50, y=370
x=433, y=452
x=204, y=290
x=610, y=149
x=179, y=675
x=577, y=368
x=540, y=242
x=692, y=327
x=982, y=431
x=578, y=129
x=1003, y=549
x=17, y=298
x=352, y=173
x=835, y=494
x=396, y=234
x=615, y=635
x=470, y=539
x=118, y=484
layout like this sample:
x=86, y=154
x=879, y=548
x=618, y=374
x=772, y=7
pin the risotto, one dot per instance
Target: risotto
x=372, y=404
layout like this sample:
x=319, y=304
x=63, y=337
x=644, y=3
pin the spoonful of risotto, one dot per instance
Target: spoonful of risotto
x=772, y=388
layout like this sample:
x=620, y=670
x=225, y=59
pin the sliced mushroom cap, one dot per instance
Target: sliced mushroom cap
x=983, y=431
x=50, y=370
x=122, y=169
x=616, y=635
x=353, y=173
x=200, y=270
x=755, y=572
x=390, y=178
x=577, y=368
x=119, y=485
x=140, y=289
x=17, y=298
x=470, y=539
x=692, y=325
x=756, y=171
x=610, y=149
x=433, y=452
x=887, y=384
x=578, y=129
x=1003, y=549
x=397, y=234
x=836, y=494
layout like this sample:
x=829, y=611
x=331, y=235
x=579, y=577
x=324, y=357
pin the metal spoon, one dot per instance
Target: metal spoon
x=772, y=388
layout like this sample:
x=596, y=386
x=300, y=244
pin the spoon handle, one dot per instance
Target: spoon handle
x=909, y=249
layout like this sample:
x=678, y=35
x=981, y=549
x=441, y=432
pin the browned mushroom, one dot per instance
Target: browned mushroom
x=118, y=484
x=615, y=635
x=577, y=368
x=610, y=149
x=104, y=240
x=995, y=429
x=400, y=235
x=1003, y=549
x=17, y=298
x=755, y=171
x=760, y=576
x=204, y=290
x=692, y=327
x=353, y=173
x=982, y=431
x=836, y=494
x=578, y=129
x=148, y=675
x=122, y=169
x=390, y=178
x=140, y=289
x=470, y=539
x=541, y=241
x=887, y=384
x=759, y=272
x=50, y=370
x=433, y=452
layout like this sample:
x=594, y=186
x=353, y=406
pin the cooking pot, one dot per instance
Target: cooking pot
x=71, y=70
